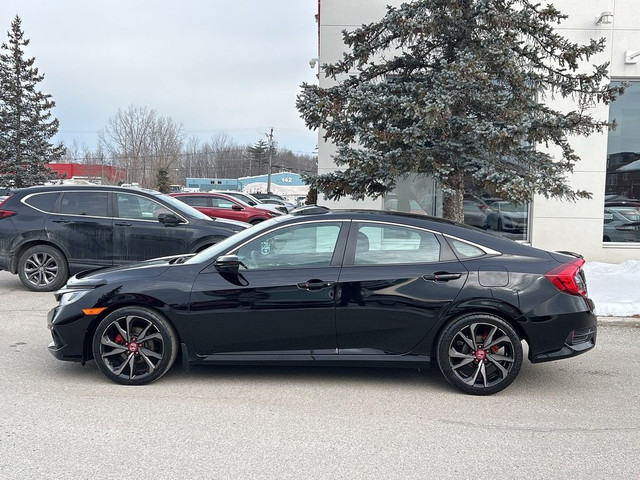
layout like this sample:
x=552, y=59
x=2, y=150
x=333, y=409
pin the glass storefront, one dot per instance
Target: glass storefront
x=622, y=184
x=421, y=194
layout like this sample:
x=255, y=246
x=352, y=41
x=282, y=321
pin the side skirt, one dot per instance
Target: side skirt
x=392, y=361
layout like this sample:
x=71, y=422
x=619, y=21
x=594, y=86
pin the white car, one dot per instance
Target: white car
x=254, y=202
x=282, y=203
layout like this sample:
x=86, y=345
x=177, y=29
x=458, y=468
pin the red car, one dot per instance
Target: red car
x=219, y=205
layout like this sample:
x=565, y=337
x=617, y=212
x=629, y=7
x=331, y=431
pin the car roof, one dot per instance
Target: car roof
x=57, y=188
x=446, y=227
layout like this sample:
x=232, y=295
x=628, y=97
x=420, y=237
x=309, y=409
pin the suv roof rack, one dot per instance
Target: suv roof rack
x=311, y=210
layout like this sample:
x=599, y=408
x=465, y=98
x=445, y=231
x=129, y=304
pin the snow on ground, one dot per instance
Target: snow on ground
x=614, y=288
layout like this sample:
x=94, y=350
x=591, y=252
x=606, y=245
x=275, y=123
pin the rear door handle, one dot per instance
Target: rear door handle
x=315, y=284
x=60, y=220
x=441, y=276
x=123, y=224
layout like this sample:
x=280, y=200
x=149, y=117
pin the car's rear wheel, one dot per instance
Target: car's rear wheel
x=42, y=268
x=479, y=354
x=134, y=346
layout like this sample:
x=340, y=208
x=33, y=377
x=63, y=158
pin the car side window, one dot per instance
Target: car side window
x=379, y=244
x=194, y=201
x=92, y=204
x=139, y=208
x=42, y=201
x=222, y=203
x=309, y=245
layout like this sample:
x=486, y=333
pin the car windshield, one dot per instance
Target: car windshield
x=510, y=207
x=183, y=207
x=225, y=245
x=630, y=213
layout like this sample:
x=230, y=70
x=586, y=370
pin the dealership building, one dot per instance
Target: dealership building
x=610, y=162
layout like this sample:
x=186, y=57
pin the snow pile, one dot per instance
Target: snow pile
x=614, y=288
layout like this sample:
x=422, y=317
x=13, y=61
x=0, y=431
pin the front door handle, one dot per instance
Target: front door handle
x=123, y=224
x=60, y=220
x=441, y=276
x=315, y=284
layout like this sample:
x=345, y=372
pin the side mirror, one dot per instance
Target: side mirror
x=228, y=264
x=236, y=207
x=168, y=219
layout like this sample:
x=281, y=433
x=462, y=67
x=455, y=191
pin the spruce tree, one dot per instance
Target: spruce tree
x=162, y=180
x=458, y=90
x=26, y=123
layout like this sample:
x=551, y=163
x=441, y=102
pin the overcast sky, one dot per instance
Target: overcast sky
x=232, y=66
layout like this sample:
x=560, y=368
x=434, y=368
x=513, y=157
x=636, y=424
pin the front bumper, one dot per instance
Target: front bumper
x=69, y=329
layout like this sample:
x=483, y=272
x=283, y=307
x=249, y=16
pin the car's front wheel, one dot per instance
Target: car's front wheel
x=479, y=354
x=42, y=268
x=134, y=346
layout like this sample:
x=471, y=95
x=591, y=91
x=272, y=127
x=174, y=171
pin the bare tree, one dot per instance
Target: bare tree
x=142, y=142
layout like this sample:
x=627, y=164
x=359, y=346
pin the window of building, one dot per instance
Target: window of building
x=622, y=188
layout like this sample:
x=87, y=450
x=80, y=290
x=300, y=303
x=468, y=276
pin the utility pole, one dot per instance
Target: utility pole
x=270, y=137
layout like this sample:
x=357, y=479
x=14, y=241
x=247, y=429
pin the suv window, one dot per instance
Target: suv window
x=139, y=208
x=292, y=247
x=85, y=203
x=222, y=203
x=42, y=201
x=194, y=201
x=391, y=244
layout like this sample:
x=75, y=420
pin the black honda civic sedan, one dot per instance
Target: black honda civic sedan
x=322, y=287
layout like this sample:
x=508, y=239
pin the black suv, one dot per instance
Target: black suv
x=48, y=233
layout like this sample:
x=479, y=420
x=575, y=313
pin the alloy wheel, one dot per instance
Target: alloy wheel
x=131, y=347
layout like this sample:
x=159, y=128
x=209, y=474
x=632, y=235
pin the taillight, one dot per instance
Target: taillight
x=568, y=279
x=6, y=214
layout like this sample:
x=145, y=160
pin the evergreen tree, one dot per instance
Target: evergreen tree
x=26, y=123
x=258, y=153
x=162, y=181
x=456, y=89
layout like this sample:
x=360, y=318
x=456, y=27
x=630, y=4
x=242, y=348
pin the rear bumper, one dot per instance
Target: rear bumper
x=578, y=331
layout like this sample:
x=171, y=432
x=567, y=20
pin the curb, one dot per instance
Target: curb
x=620, y=321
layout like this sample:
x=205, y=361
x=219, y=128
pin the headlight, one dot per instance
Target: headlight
x=71, y=296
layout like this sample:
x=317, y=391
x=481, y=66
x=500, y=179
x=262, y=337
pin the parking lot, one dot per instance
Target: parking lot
x=568, y=419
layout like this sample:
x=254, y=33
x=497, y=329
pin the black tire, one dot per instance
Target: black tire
x=474, y=366
x=43, y=268
x=499, y=225
x=134, y=346
x=256, y=221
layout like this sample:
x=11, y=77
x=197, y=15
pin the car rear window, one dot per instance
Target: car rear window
x=42, y=201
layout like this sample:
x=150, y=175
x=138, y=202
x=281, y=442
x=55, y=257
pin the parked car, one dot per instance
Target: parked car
x=505, y=216
x=47, y=233
x=219, y=205
x=476, y=209
x=253, y=201
x=282, y=203
x=321, y=287
x=263, y=196
x=621, y=224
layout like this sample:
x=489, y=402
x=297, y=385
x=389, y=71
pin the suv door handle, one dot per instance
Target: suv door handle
x=60, y=220
x=315, y=284
x=441, y=276
x=123, y=224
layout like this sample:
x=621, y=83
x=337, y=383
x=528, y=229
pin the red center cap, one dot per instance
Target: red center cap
x=480, y=354
x=133, y=347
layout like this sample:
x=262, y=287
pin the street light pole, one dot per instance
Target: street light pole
x=270, y=137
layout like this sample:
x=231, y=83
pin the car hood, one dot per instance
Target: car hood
x=147, y=269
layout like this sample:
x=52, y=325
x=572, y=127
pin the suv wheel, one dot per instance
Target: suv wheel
x=43, y=268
